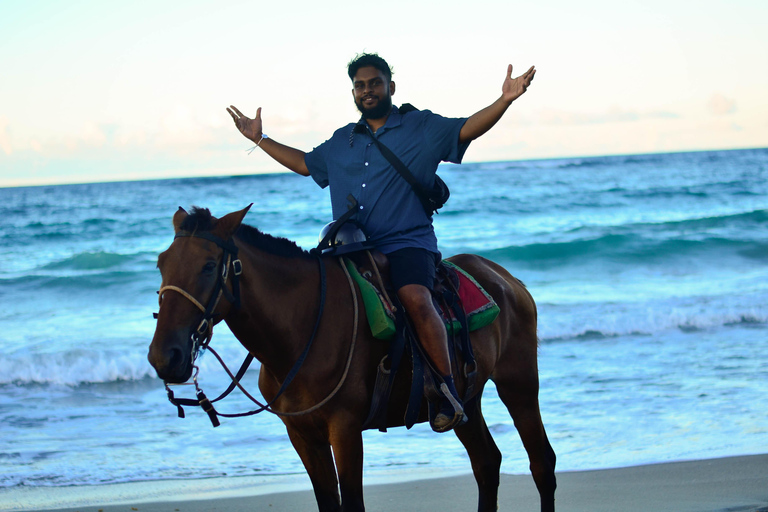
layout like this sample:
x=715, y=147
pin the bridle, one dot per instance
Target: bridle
x=201, y=337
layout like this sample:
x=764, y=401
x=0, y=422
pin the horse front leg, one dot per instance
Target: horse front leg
x=521, y=398
x=483, y=454
x=348, y=451
x=318, y=461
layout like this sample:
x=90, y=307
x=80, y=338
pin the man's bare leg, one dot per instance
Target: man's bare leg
x=417, y=301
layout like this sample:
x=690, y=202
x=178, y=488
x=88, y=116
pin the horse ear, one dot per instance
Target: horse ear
x=228, y=224
x=179, y=217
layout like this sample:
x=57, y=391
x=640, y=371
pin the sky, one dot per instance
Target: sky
x=96, y=91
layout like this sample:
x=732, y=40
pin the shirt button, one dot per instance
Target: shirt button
x=361, y=207
x=363, y=185
x=366, y=164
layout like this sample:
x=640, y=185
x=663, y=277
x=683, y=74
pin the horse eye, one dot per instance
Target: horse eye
x=209, y=267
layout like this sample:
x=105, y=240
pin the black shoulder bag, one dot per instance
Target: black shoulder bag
x=432, y=199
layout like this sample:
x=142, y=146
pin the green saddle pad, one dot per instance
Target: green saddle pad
x=380, y=318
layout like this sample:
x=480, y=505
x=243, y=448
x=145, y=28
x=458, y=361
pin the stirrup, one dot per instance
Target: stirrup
x=441, y=422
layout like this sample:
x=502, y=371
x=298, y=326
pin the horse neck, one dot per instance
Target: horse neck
x=280, y=298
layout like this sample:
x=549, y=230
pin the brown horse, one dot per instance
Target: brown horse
x=280, y=298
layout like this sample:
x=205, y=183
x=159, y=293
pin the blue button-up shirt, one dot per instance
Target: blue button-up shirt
x=388, y=209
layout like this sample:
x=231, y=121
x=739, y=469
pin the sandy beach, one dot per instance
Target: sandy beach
x=732, y=484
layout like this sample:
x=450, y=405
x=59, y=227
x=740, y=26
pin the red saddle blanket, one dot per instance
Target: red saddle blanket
x=477, y=303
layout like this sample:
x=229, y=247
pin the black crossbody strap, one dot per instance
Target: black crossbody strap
x=399, y=166
x=403, y=170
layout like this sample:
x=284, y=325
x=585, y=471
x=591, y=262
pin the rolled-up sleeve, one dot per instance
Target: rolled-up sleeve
x=317, y=165
x=442, y=136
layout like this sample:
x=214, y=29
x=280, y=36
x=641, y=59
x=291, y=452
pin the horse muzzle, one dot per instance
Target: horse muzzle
x=172, y=358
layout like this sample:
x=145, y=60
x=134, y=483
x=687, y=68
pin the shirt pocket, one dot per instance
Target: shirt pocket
x=352, y=170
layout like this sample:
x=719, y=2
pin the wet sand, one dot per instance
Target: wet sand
x=732, y=484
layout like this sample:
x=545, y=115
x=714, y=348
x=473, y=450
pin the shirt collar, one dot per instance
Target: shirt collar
x=361, y=126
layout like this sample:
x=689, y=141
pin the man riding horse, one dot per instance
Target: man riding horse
x=387, y=208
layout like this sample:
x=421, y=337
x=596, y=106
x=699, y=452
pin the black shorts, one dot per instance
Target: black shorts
x=412, y=266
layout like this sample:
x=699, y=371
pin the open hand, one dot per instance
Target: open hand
x=250, y=128
x=513, y=88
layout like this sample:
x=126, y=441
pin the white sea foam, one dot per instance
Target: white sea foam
x=75, y=367
x=557, y=323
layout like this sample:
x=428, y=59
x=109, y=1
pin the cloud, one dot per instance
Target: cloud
x=173, y=134
x=5, y=138
x=719, y=105
x=614, y=114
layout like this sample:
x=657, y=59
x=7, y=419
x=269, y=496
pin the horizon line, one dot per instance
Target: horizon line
x=55, y=183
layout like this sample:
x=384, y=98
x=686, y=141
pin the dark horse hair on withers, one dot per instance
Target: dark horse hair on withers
x=362, y=60
x=201, y=220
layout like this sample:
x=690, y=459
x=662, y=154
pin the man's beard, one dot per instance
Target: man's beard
x=382, y=108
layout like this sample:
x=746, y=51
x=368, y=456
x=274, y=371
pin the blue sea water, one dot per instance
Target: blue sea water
x=650, y=273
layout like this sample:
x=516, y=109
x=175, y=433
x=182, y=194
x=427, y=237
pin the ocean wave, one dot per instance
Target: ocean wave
x=91, y=261
x=585, y=163
x=610, y=161
x=643, y=320
x=739, y=235
x=626, y=249
x=640, y=159
x=55, y=227
x=668, y=192
x=77, y=367
x=97, y=260
x=738, y=227
x=752, y=219
x=73, y=368
x=141, y=279
x=483, y=167
x=84, y=269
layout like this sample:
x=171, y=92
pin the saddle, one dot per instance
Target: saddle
x=462, y=304
x=452, y=283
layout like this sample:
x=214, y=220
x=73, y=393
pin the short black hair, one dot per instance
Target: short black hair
x=362, y=60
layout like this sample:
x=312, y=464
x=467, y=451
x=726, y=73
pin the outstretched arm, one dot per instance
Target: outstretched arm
x=484, y=120
x=291, y=158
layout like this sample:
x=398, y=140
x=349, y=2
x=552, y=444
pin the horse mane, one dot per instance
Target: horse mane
x=201, y=220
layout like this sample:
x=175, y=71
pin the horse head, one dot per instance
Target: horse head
x=195, y=273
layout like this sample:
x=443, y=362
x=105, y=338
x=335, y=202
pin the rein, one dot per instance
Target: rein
x=204, y=332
